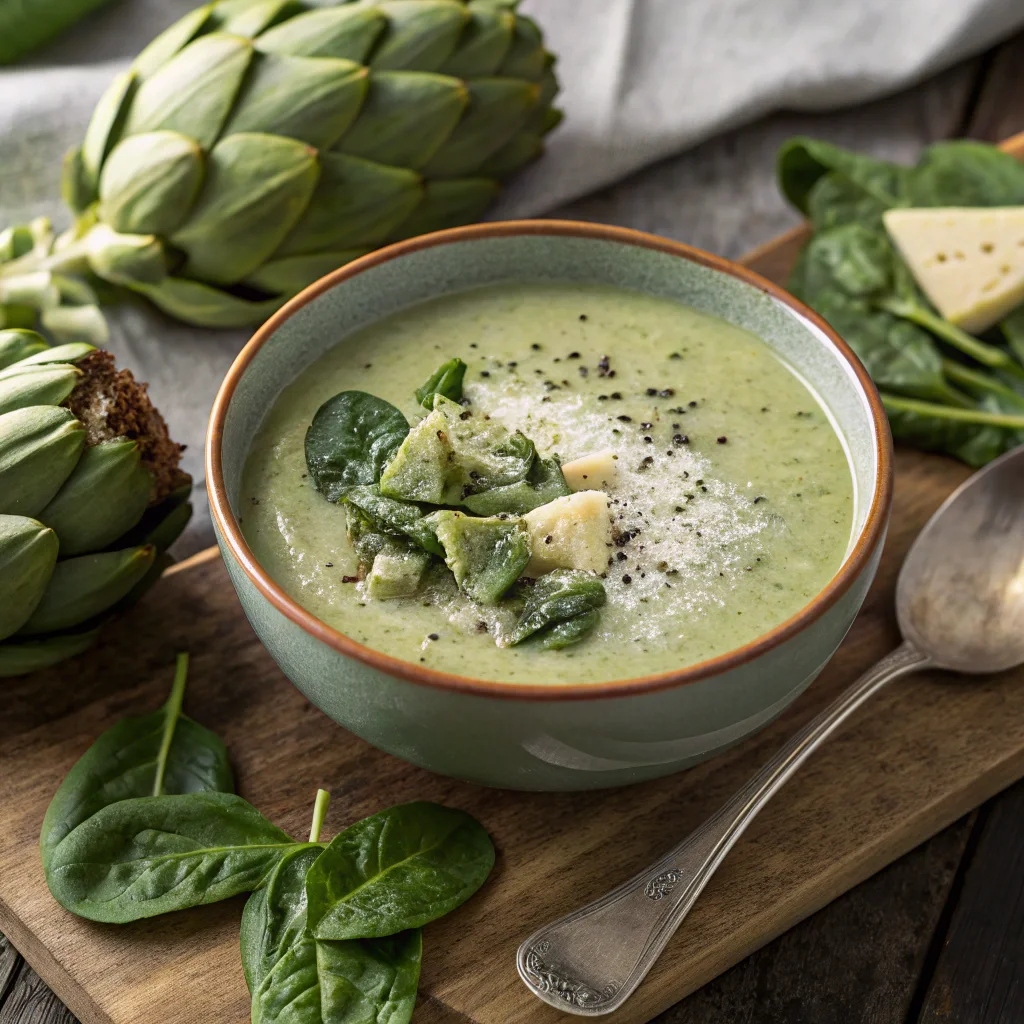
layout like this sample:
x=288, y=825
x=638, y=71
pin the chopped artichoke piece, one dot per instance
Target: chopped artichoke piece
x=418, y=469
x=560, y=609
x=574, y=532
x=397, y=570
x=543, y=484
x=486, y=555
x=597, y=471
x=483, y=453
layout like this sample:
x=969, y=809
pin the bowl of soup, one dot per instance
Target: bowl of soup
x=549, y=505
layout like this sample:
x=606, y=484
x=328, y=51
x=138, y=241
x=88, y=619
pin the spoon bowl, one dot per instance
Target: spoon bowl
x=960, y=596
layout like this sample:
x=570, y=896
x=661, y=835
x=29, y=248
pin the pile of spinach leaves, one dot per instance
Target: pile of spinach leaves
x=474, y=527
x=944, y=389
x=147, y=822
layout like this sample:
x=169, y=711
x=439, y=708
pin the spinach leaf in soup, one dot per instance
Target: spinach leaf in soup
x=351, y=439
x=543, y=483
x=164, y=752
x=966, y=173
x=446, y=380
x=150, y=855
x=559, y=609
x=396, y=870
x=396, y=518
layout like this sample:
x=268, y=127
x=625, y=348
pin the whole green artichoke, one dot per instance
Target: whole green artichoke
x=258, y=144
x=90, y=497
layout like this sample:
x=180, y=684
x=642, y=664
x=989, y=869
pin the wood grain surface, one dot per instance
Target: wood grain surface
x=897, y=775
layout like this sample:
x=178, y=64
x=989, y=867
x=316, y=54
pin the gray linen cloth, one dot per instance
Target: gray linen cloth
x=641, y=79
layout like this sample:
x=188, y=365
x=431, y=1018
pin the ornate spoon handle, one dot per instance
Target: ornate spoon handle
x=590, y=961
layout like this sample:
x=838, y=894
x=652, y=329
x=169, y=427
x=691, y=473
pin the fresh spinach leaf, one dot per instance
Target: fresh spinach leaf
x=834, y=200
x=274, y=919
x=445, y=380
x=295, y=979
x=543, y=483
x=370, y=981
x=1013, y=330
x=396, y=518
x=966, y=173
x=150, y=855
x=558, y=599
x=351, y=439
x=165, y=752
x=396, y=870
x=802, y=162
x=486, y=555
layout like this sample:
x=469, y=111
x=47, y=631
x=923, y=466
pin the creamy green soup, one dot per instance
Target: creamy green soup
x=732, y=506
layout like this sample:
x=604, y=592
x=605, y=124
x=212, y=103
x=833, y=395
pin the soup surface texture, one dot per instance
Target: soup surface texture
x=732, y=509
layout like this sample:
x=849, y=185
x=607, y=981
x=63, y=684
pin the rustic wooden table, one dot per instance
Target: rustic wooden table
x=938, y=935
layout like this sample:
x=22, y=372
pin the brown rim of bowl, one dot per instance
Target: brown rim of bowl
x=869, y=538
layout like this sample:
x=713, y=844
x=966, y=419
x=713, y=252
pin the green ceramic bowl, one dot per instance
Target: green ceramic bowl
x=563, y=737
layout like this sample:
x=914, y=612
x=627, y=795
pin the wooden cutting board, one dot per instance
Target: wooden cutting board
x=913, y=761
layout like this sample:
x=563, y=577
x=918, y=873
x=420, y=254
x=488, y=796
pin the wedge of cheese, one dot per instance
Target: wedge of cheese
x=572, y=532
x=968, y=260
x=592, y=472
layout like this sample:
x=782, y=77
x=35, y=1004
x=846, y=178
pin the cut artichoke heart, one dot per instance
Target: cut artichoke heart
x=572, y=532
x=969, y=261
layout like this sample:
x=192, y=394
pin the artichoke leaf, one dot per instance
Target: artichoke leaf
x=28, y=553
x=204, y=305
x=527, y=57
x=257, y=188
x=106, y=125
x=356, y=204
x=125, y=259
x=149, y=183
x=313, y=100
x=418, y=470
x=76, y=186
x=105, y=495
x=421, y=34
x=68, y=353
x=172, y=40
x=18, y=659
x=498, y=109
x=484, y=44
x=194, y=91
x=82, y=588
x=544, y=483
x=290, y=274
x=407, y=117
x=347, y=31
x=393, y=517
x=39, y=447
x=17, y=344
x=251, y=17
x=41, y=385
x=447, y=204
x=521, y=149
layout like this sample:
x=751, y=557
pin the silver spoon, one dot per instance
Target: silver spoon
x=960, y=606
